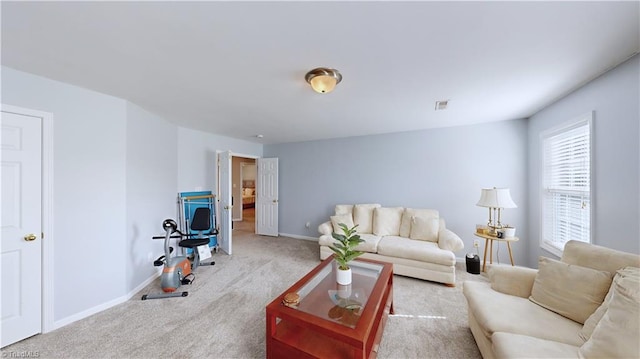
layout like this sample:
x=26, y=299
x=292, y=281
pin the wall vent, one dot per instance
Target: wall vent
x=441, y=105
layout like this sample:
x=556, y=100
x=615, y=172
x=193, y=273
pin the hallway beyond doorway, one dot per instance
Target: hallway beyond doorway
x=248, y=223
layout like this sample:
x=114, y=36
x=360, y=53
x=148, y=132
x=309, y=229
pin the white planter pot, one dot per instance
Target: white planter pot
x=343, y=276
x=509, y=232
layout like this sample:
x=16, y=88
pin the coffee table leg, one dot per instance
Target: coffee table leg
x=271, y=329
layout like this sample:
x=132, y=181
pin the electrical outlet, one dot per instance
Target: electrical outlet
x=308, y=224
x=476, y=243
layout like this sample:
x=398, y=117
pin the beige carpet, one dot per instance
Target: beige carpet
x=224, y=314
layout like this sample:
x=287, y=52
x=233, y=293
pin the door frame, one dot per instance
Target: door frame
x=233, y=154
x=47, y=238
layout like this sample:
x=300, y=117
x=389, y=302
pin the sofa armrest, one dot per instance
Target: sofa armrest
x=325, y=228
x=449, y=241
x=516, y=281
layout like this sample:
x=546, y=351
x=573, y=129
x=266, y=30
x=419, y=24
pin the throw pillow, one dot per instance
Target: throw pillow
x=386, y=221
x=344, y=218
x=363, y=217
x=407, y=218
x=572, y=291
x=424, y=228
x=594, y=319
x=616, y=335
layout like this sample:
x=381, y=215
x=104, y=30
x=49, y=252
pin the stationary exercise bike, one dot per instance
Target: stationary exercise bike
x=177, y=269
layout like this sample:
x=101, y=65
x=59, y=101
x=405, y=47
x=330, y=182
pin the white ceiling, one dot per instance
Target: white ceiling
x=237, y=68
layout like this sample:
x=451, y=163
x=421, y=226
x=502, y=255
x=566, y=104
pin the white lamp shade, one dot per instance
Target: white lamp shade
x=323, y=84
x=496, y=198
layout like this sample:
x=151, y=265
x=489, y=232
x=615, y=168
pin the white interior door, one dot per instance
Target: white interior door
x=267, y=197
x=224, y=176
x=21, y=252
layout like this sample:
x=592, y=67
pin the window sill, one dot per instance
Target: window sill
x=551, y=249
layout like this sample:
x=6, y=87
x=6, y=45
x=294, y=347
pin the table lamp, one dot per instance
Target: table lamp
x=495, y=199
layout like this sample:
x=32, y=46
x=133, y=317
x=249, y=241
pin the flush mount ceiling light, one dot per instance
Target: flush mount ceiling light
x=322, y=79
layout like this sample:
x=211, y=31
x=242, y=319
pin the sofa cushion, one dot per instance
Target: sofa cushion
x=424, y=228
x=509, y=345
x=516, y=281
x=499, y=312
x=407, y=218
x=592, y=321
x=572, y=291
x=363, y=217
x=386, y=221
x=344, y=209
x=617, y=333
x=597, y=257
x=401, y=247
x=345, y=219
x=370, y=243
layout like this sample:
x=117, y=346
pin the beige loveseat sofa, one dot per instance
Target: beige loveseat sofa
x=586, y=306
x=416, y=241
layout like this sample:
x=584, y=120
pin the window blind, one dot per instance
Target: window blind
x=567, y=185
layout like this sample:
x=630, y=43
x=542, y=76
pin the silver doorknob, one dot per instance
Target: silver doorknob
x=275, y=201
x=30, y=237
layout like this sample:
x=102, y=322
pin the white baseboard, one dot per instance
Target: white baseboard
x=99, y=308
x=297, y=236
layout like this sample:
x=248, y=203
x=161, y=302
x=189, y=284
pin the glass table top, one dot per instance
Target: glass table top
x=323, y=297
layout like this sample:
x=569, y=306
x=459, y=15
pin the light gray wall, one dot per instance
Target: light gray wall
x=443, y=169
x=89, y=188
x=197, y=161
x=614, y=98
x=152, y=179
x=117, y=170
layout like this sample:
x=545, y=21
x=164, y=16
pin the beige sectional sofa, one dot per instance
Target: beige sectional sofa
x=416, y=241
x=584, y=306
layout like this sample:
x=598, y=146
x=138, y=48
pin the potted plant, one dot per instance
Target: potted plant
x=344, y=251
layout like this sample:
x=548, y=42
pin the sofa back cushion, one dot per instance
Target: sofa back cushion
x=408, y=218
x=424, y=228
x=572, y=291
x=594, y=319
x=386, y=221
x=597, y=257
x=363, y=217
x=616, y=334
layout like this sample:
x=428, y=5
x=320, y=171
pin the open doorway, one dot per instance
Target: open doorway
x=243, y=189
x=266, y=198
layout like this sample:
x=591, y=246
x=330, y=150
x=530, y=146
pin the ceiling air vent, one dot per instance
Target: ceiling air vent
x=441, y=105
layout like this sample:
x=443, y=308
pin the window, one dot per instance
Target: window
x=566, y=184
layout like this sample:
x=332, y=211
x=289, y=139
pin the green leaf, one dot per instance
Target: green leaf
x=339, y=237
x=343, y=248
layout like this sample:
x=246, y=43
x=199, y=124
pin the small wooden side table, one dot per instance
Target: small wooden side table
x=488, y=241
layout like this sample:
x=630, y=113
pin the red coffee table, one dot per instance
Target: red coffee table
x=330, y=320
